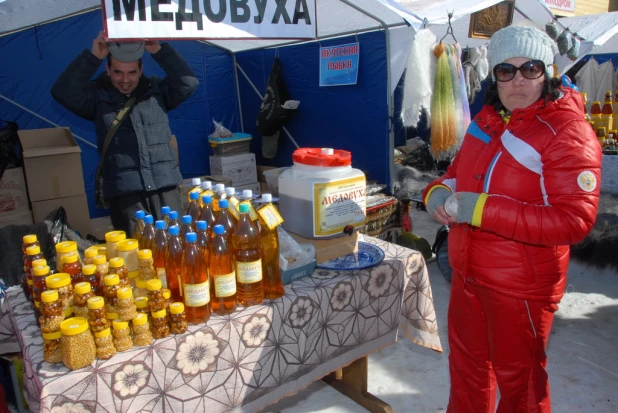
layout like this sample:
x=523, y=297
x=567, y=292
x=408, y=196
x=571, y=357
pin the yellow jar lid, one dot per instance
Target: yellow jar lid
x=96, y=302
x=140, y=319
x=116, y=262
x=153, y=285
x=112, y=316
x=115, y=236
x=73, y=326
x=33, y=250
x=89, y=269
x=67, y=246
x=29, y=239
x=144, y=254
x=40, y=271
x=82, y=288
x=124, y=292
x=139, y=283
x=167, y=294
x=111, y=279
x=49, y=296
x=133, y=274
x=177, y=308
x=159, y=314
x=120, y=325
x=52, y=336
x=141, y=302
x=99, y=259
x=68, y=312
x=39, y=262
x=104, y=333
x=60, y=279
x=128, y=245
x=102, y=248
x=69, y=258
x=91, y=252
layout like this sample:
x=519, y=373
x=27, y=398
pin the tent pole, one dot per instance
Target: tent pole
x=389, y=95
x=242, y=125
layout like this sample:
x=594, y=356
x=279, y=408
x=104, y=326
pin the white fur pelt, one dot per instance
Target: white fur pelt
x=410, y=181
x=420, y=75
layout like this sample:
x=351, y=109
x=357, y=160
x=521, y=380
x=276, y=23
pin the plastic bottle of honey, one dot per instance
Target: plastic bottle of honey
x=219, y=195
x=160, y=251
x=206, y=190
x=138, y=229
x=165, y=212
x=173, y=263
x=222, y=273
x=224, y=218
x=148, y=236
x=273, y=285
x=173, y=219
x=248, y=256
x=194, y=210
x=208, y=214
x=185, y=227
x=195, y=284
x=196, y=183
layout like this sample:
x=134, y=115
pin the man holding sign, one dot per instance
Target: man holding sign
x=129, y=111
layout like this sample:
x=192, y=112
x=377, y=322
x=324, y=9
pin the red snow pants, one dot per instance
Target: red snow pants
x=498, y=341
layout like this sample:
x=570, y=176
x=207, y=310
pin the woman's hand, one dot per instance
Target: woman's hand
x=440, y=215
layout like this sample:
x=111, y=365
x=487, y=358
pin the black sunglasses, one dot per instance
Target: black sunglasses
x=533, y=69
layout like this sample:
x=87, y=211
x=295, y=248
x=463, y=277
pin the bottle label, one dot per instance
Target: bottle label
x=197, y=295
x=225, y=285
x=254, y=216
x=179, y=278
x=232, y=207
x=271, y=216
x=161, y=276
x=249, y=272
x=338, y=204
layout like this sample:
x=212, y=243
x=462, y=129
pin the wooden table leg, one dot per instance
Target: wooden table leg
x=352, y=381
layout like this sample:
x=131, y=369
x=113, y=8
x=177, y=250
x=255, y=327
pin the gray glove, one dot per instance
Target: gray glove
x=466, y=202
x=437, y=198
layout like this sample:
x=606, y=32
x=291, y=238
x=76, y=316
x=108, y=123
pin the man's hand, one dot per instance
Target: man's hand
x=99, y=46
x=152, y=46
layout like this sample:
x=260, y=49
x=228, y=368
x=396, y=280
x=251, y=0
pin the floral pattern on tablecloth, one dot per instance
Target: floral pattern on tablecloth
x=251, y=358
x=8, y=338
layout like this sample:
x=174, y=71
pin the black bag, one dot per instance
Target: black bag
x=273, y=116
x=8, y=144
x=440, y=248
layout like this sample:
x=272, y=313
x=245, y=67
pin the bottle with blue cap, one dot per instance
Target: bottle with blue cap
x=138, y=229
x=221, y=269
x=248, y=256
x=173, y=219
x=148, y=236
x=208, y=214
x=195, y=282
x=173, y=263
x=206, y=190
x=224, y=218
x=219, y=195
x=194, y=209
x=186, y=226
x=202, y=237
x=159, y=253
x=196, y=186
x=165, y=212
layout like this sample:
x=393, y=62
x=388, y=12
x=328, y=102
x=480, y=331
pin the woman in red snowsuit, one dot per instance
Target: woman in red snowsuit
x=527, y=179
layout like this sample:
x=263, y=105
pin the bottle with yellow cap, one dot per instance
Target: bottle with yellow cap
x=97, y=314
x=78, y=349
x=178, y=318
x=89, y=254
x=140, y=289
x=61, y=282
x=112, y=239
x=33, y=253
x=167, y=294
x=63, y=249
x=146, y=265
x=156, y=299
x=102, y=270
x=89, y=275
x=28, y=241
x=126, y=304
x=127, y=250
x=52, y=353
x=104, y=343
x=72, y=266
x=122, y=335
x=83, y=292
x=116, y=266
x=51, y=312
x=112, y=285
x=160, y=328
x=141, y=330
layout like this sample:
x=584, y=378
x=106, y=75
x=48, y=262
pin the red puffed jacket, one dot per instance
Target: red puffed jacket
x=541, y=172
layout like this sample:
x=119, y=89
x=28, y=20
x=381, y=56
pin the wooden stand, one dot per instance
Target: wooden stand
x=352, y=381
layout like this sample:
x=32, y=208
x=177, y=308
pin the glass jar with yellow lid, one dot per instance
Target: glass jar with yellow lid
x=97, y=314
x=83, y=292
x=140, y=289
x=63, y=249
x=160, y=327
x=122, y=335
x=126, y=304
x=112, y=239
x=117, y=266
x=89, y=254
x=146, y=265
x=112, y=284
x=141, y=330
x=128, y=250
x=52, y=353
x=102, y=270
x=78, y=348
x=178, y=318
x=51, y=312
x=61, y=282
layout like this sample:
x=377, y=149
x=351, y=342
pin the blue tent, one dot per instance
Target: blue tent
x=355, y=117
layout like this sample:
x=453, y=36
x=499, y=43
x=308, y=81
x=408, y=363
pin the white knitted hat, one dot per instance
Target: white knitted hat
x=521, y=41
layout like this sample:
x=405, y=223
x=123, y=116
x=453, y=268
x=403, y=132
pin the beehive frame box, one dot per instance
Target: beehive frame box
x=52, y=162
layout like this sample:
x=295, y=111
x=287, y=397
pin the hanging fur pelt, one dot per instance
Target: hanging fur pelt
x=443, y=119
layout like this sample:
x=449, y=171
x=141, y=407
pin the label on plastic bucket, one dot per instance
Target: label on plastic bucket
x=338, y=204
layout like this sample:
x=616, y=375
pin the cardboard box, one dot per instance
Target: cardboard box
x=13, y=192
x=53, y=163
x=294, y=274
x=255, y=187
x=17, y=218
x=328, y=249
x=186, y=186
x=76, y=208
x=240, y=169
x=264, y=188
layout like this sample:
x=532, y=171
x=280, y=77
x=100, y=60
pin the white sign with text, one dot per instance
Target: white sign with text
x=566, y=5
x=210, y=19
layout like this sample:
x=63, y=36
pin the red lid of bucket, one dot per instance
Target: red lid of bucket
x=322, y=157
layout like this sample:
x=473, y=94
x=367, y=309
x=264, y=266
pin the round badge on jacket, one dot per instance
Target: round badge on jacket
x=587, y=181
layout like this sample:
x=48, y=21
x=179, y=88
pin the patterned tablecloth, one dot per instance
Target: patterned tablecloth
x=252, y=358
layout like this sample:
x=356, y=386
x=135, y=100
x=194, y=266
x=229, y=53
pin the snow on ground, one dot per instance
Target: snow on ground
x=583, y=361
